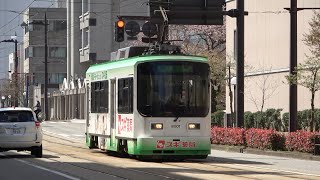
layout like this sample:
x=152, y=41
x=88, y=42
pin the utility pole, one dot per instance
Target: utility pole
x=45, y=66
x=293, y=90
x=16, y=101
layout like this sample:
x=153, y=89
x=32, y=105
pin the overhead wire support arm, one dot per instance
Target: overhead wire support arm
x=164, y=25
x=234, y=13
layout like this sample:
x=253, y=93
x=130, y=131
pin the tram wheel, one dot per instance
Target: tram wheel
x=123, y=148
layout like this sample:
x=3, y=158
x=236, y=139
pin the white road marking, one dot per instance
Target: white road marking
x=45, y=169
x=49, y=170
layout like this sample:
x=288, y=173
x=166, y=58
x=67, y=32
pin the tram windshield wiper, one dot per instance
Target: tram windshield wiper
x=179, y=112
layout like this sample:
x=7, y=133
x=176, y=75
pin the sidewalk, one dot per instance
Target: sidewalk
x=287, y=154
x=266, y=162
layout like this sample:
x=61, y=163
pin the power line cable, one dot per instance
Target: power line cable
x=17, y=15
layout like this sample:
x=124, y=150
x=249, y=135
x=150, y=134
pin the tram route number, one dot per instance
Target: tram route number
x=161, y=144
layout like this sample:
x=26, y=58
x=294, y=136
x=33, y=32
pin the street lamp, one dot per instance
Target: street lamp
x=14, y=40
x=45, y=24
x=234, y=83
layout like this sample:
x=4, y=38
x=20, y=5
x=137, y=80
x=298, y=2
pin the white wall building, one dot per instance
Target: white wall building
x=267, y=52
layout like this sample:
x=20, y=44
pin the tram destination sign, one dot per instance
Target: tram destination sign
x=98, y=76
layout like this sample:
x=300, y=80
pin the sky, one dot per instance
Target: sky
x=10, y=24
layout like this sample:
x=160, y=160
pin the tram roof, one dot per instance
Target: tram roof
x=133, y=60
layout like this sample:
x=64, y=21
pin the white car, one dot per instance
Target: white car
x=20, y=130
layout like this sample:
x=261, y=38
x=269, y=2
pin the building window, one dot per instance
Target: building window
x=38, y=52
x=85, y=40
x=57, y=52
x=99, y=97
x=26, y=53
x=125, y=95
x=56, y=78
x=92, y=22
x=57, y=25
x=37, y=25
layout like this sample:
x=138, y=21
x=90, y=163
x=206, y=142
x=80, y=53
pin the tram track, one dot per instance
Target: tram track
x=89, y=159
x=201, y=166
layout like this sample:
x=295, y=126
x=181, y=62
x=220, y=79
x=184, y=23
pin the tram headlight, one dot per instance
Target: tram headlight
x=156, y=126
x=193, y=126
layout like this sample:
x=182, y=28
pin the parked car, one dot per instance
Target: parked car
x=20, y=130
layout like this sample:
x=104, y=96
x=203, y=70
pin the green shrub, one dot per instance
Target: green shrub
x=304, y=118
x=260, y=120
x=285, y=122
x=217, y=118
x=273, y=119
x=317, y=119
x=248, y=119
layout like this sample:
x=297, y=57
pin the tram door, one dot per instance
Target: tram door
x=113, y=143
x=87, y=105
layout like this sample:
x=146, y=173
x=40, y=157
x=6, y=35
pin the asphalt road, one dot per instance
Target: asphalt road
x=66, y=157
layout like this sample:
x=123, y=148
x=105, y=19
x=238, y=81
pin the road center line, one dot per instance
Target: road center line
x=49, y=170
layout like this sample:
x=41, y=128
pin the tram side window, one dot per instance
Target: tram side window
x=104, y=97
x=125, y=95
x=99, y=97
x=93, y=100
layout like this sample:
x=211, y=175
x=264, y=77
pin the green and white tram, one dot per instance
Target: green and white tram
x=150, y=106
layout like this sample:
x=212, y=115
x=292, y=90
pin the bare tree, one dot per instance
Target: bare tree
x=265, y=87
x=14, y=90
x=206, y=41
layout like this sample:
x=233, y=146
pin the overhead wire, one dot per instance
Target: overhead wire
x=17, y=15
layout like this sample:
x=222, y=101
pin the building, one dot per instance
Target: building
x=267, y=53
x=34, y=43
x=91, y=31
x=11, y=65
x=90, y=40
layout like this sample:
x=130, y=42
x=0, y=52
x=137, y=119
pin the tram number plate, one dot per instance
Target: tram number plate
x=16, y=131
x=175, y=126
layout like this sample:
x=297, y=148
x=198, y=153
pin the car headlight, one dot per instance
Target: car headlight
x=156, y=126
x=193, y=126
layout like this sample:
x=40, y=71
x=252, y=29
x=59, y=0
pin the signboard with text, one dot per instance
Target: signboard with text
x=125, y=125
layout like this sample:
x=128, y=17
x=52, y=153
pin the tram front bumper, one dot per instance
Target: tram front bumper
x=171, y=146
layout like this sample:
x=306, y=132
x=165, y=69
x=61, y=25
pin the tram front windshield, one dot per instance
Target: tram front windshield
x=173, y=89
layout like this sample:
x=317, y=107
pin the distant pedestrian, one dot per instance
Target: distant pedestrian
x=38, y=107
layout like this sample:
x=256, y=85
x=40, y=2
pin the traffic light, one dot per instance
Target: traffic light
x=119, y=31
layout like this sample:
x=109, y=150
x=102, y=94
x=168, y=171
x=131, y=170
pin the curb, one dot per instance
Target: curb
x=287, y=154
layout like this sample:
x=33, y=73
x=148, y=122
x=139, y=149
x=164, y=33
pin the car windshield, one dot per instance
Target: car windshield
x=16, y=116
